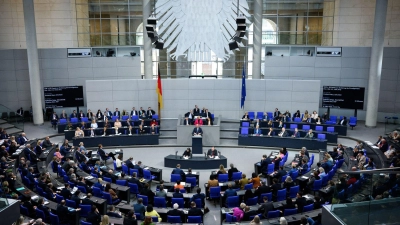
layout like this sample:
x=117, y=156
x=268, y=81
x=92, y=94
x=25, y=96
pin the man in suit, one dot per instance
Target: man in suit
x=117, y=113
x=81, y=115
x=20, y=112
x=112, y=213
x=63, y=115
x=110, y=175
x=29, y=205
x=266, y=207
x=23, y=139
x=262, y=189
x=207, y=114
x=31, y=176
x=296, y=133
x=62, y=212
x=65, y=192
x=190, y=116
x=277, y=113
x=82, y=183
x=256, y=123
x=90, y=114
x=150, y=113
x=230, y=192
x=309, y=134
x=283, y=133
x=129, y=163
x=47, y=143
x=196, y=110
x=94, y=216
x=300, y=202
x=75, y=198
x=84, y=166
x=176, y=212
x=138, y=166
x=42, y=207
x=279, y=173
x=177, y=193
x=103, y=154
x=107, y=114
x=193, y=211
x=197, y=130
x=257, y=131
x=212, y=153
x=343, y=121
x=134, y=112
x=142, y=113
x=73, y=114
x=146, y=191
x=134, y=180
x=265, y=161
x=54, y=120
x=232, y=170
x=179, y=171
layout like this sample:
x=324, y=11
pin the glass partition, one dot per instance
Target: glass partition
x=13, y=120
x=366, y=197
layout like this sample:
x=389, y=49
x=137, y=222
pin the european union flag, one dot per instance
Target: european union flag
x=243, y=88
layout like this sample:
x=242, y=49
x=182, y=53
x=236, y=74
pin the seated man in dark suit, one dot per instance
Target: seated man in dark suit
x=94, y=216
x=150, y=113
x=112, y=213
x=300, y=202
x=82, y=183
x=85, y=167
x=138, y=166
x=283, y=133
x=134, y=180
x=197, y=130
x=279, y=173
x=103, y=154
x=178, y=170
x=212, y=153
x=343, y=121
x=176, y=212
x=193, y=211
x=111, y=175
x=76, y=199
x=177, y=194
x=44, y=208
x=117, y=113
x=248, y=213
x=73, y=114
x=265, y=161
x=147, y=192
x=266, y=207
x=199, y=195
x=262, y=189
x=54, y=120
x=129, y=163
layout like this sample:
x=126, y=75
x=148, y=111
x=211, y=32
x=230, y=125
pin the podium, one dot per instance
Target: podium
x=197, y=144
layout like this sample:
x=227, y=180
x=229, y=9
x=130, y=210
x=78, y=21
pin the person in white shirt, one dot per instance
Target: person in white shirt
x=117, y=125
x=93, y=126
x=118, y=161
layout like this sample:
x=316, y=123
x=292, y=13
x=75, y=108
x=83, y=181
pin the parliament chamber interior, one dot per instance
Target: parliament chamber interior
x=199, y=112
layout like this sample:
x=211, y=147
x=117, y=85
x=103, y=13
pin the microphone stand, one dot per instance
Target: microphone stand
x=176, y=154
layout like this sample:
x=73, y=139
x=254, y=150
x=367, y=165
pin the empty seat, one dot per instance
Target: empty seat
x=330, y=129
x=319, y=128
x=306, y=127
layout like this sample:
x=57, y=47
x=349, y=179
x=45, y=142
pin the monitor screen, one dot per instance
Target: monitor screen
x=65, y=96
x=343, y=97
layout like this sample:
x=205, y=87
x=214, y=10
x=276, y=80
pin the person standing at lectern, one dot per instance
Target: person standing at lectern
x=197, y=130
x=212, y=153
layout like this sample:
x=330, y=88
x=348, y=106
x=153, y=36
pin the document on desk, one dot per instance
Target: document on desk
x=146, y=168
x=305, y=177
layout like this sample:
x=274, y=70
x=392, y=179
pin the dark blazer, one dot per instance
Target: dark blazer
x=276, y=114
x=301, y=202
x=284, y=134
x=89, y=115
x=296, y=134
x=38, y=150
x=176, y=212
x=93, y=218
x=142, y=113
x=117, y=113
x=63, y=116
x=196, y=111
x=81, y=115
x=129, y=221
x=344, y=122
x=136, y=113
x=139, y=169
x=54, y=117
x=199, y=131
x=150, y=111
x=129, y=164
x=186, y=122
x=177, y=195
x=99, y=115
x=62, y=212
x=46, y=144
x=137, y=182
x=31, y=178
x=195, y=212
x=212, y=153
x=265, y=208
x=73, y=115
x=114, y=214
x=187, y=115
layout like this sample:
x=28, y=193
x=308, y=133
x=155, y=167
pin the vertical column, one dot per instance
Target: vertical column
x=33, y=62
x=375, y=68
x=257, y=38
x=148, y=61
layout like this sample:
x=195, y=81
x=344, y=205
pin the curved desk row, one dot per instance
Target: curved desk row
x=118, y=140
x=288, y=142
x=340, y=129
x=196, y=162
x=70, y=134
x=332, y=137
x=100, y=123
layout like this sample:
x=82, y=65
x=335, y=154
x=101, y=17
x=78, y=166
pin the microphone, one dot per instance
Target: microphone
x=219, y=153
x=205, y=155
x=176, y=154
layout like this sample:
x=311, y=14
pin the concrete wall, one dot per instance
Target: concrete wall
x=221, y=97
x=57, y=70
x=55, y=24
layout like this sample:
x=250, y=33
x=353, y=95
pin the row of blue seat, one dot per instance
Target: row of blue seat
x=113, y=118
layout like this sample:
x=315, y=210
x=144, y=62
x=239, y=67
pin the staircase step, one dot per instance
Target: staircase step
x=13, y=130
x=2, y=121
x=7, y=125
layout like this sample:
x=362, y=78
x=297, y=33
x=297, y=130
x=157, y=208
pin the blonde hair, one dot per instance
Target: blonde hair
x=105, y=220
x=242, y=205
x=283, y=221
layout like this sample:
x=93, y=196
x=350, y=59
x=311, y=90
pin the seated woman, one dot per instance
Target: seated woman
x=271, y=132
x=153, y=129
x=255, y=179
x=221, y=170
x=141, y=130
x=288, y=183
x=318, y=120
x=111, y=191
x=128, y=121
x=198, y=121
x=118, y=162
x=93, y=126
x=58, y=154
x=106, y=125
x=153, y=122
x=38, y=148
x=187, y=153
x=314, y=116
x=79, y=133
x=99, y=115
x=117, y=125
x=313, y=178
x=280, y=124
x=69, y=126
x=296, y=114
x=286, y=115
x=246, y=116
x=270, y=123
x=305, y=117
x=150, y=212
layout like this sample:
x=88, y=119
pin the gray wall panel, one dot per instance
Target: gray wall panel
x=327, y=72
x=7, y=75
x=302, y=61
x=388, y=74
x=7, y=54
x=80, y=73
x=107, y=73
x=54, y=53
x=104, y=62
x=328, y=62
x=19, y=54
x=80, y=62
x=356, y=52
x=305, y=72
x=7, y=64
x=22, y=74
x=355, y=62
x=390, y=63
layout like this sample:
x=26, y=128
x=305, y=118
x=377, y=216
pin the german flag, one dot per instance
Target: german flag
x=159, y=91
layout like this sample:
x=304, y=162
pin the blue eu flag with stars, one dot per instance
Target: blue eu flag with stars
x=243, y=98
